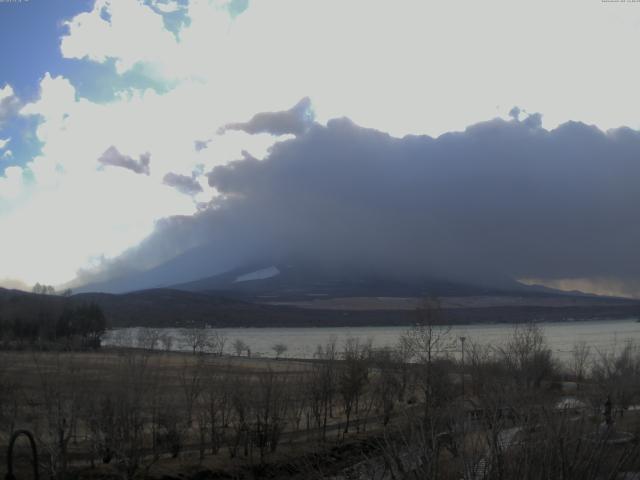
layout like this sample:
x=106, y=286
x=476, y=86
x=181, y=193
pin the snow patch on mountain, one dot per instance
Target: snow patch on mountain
x=261, y=274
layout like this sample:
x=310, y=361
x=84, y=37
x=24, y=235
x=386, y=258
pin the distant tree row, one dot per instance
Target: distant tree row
x=43, y=289
x=49, y=290
x=75, y=327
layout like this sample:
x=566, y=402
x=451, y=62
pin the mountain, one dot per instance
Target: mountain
x=214, y=268
x=290, y=281
x=176, y=308
x=179, y=308
x=195, y=263
x=197, y=289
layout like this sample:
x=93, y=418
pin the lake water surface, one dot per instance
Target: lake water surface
x=604, y=335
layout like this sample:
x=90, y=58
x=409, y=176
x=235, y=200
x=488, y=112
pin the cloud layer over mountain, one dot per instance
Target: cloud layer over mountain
x=501, y=199
x=182, y=82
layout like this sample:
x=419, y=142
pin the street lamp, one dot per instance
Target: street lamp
x=462, y=339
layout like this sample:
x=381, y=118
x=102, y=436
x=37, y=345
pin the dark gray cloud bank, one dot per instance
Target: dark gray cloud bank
x=114, y=158
x=500, y=199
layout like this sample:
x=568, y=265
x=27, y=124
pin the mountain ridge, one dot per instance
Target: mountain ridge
x=178, y=309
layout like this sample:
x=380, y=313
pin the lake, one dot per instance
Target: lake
x=604, y=335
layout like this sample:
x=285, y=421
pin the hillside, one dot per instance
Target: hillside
x=175, y=308
x=303, y=280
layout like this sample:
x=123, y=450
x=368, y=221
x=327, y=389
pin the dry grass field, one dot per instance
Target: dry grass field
x=484, y=301
x=156, y=412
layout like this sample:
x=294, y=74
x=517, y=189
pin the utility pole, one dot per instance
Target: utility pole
x=462, y=339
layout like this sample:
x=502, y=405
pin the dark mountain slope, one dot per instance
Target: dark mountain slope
x=175, y=308
x=290, y=281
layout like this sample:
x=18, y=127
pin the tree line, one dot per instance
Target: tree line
x=74, y=326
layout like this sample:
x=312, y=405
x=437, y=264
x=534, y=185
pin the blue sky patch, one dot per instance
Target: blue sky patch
x=30, y=33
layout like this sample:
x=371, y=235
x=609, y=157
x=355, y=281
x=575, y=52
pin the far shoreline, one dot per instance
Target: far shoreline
x=262, y=326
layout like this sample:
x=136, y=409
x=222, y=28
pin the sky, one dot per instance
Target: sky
x=477, y=139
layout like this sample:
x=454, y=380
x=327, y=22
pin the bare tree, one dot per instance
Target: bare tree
x=353, y=376
x=123, y=338
x=580, y=359
x=240, y=401
x=195, y=338
x=401, y=357
x=279, y=349
x=57, y=403
x=617, y=374
x=527, y=355
x=323, y=385
x=9, y=397
x=270, y=401
x=124, y=414
x=171, y=427
x=430, y=341
x=148, y=338
x=239, y=347
x=215, y=405
x=298, y=401
x=386, y=383
x=166, y=340
x=216, y=342
x=191, y=382
x=429, y=337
